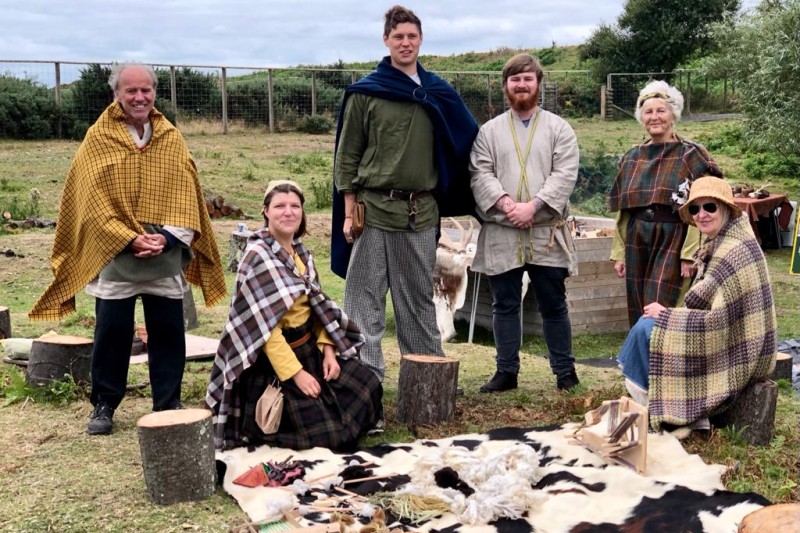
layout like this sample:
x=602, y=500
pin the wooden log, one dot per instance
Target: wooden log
x=226, y=210
x=426, y=389
x=5, y=323
x=7, y=215
x=783, y=367
x=218, y=202
x=753, y=413
x=177, y=455
x=780, y=518
x=56, y=356
x=189, y=311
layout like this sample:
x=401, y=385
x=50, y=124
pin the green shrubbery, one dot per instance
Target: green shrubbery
x=315, y=124
x=27, y=110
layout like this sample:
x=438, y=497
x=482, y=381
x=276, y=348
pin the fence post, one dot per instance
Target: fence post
x=173, y=91
x=688, y=93
x=725, y=93
x=224, y=91
x=313, y=92
x=270, y=103
x=352, y=77
x=57, y=95
x=603, y=102
x=488, y=96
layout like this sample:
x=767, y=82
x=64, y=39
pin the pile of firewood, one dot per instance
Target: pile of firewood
x=217, y=208
x=28, y=223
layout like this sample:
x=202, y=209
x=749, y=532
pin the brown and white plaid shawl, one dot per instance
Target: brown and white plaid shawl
x=267, y=285
x=111, y=189
x=651, y=172
x=703, y=355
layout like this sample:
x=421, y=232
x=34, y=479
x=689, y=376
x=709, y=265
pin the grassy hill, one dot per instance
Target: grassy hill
x=552, y=58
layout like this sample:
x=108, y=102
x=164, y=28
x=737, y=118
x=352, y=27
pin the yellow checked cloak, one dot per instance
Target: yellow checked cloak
x=112, y=187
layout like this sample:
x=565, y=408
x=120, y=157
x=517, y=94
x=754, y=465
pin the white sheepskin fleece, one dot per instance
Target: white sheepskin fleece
x=531, y=480
x=502, y=481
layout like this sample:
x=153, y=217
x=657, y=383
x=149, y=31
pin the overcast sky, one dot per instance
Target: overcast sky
x=279, y=33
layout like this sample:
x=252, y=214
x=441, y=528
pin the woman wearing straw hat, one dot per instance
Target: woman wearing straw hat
x=281, y=325
x=688, y=363
x=653, y=248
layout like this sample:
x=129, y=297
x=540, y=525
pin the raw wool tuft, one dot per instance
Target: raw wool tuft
x=300, y=487
x=280, y=503
x=502, y=480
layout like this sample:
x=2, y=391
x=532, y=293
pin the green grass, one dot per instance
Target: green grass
x=55, y=478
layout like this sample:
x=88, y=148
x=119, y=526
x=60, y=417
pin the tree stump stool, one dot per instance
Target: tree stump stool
x=753, y=413
x=783, y=367
x=56, y=356
x=426, y=389
x=780, y=518
x=177, y=455
x=238, y=243
x=5, y=323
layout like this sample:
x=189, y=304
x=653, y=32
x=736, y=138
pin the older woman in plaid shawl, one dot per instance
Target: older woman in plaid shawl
x=652, y=247
x=689, y=363
x=281, y=325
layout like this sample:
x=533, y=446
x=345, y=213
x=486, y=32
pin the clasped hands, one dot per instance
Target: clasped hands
x=148, y=245
x=520, y=214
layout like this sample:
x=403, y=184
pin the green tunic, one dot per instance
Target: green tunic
x=388, y=145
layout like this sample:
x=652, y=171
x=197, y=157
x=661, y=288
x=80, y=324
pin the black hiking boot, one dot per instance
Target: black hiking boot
x=101, y=420
x=501, y=381
x=568, y=382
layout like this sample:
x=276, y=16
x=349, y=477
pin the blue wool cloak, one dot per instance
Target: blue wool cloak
x=454, y=130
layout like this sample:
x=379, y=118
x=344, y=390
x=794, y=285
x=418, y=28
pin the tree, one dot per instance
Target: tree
x=762, y=49
x=655, y=35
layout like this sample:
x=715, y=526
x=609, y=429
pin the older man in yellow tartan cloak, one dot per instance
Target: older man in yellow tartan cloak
x=132, y=224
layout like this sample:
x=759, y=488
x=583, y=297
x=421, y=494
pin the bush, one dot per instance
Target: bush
x=196, y=94
x=27, y=110
x=596, y=173
x=315, y=124
x=88, y=97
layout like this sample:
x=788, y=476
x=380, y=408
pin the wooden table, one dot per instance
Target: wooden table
x=756, y=208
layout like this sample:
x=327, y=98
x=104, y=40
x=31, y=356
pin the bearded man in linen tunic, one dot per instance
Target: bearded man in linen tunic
x=524, y=165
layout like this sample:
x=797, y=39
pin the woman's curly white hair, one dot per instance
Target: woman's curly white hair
x=664, y=91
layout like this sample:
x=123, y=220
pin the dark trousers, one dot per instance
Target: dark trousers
x=551, y=296
x=166, y=349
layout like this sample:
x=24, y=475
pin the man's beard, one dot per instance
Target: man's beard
x=523, y=101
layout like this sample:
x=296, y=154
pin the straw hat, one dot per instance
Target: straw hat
x=274, y=183
x=710, y=187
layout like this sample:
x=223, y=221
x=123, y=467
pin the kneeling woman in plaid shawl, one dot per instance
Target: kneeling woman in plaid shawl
x=689, y=363
x=282, y=325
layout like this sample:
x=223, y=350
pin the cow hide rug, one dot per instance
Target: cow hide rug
x=509, y=480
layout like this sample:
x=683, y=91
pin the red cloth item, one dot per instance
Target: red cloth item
x=255, y=477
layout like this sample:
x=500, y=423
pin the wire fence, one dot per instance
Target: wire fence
x=703, y=93
x=214, y=99
x=220, y=97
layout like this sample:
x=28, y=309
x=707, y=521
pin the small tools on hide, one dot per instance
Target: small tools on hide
x=272, y=474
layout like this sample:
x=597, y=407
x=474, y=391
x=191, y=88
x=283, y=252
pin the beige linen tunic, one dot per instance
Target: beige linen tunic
x=552, y=170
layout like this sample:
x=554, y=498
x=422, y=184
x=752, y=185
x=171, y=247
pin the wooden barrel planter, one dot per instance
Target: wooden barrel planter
x=57, y=357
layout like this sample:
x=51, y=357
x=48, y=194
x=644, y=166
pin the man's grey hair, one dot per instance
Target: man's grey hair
x=663, y=91
x=117, y=68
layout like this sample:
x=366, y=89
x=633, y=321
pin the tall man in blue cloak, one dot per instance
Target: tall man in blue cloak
x=402, y=149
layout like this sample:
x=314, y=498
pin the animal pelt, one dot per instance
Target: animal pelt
x=525, y=481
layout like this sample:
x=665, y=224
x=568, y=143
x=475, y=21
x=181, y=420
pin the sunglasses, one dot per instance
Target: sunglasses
x=710, y=207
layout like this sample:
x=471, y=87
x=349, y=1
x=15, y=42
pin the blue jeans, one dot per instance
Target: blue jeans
x=634, y=356
x=166, y=349
x=551, y=296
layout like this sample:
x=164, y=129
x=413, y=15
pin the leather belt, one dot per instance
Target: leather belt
x=409, y=196
x=301, y=341
x=656, y=213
